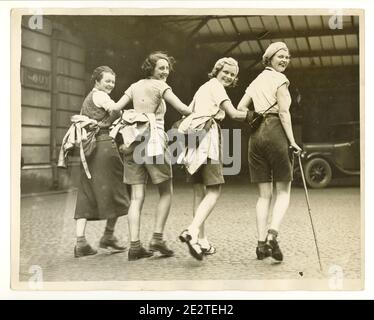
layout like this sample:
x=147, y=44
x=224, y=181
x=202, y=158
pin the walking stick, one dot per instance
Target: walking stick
x=309, y=210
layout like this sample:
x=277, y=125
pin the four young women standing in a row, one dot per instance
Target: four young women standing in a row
x=269, y=158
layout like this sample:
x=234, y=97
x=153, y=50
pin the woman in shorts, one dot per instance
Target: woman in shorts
x=270, y=159
x=212, y=103
x=148, y=97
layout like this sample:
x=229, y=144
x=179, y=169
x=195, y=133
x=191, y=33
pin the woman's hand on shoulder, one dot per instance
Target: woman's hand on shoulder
x=121, y=103
x=244, y=103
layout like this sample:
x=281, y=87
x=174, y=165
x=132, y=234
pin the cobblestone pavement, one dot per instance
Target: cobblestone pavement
x=48, y=229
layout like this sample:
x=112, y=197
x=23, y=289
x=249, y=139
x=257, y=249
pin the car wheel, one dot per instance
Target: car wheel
x=318, y=173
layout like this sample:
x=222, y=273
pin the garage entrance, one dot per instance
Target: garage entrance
x=58, y=58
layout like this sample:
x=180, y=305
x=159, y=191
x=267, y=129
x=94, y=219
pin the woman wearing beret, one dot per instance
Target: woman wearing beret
x=270, y=161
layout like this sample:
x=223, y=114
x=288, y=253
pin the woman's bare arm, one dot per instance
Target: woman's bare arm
x=232, y=112
x=178, y=105
x=284, y=102
x=121, y=103
x=244, y=103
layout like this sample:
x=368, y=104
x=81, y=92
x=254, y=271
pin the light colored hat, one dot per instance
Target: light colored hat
x=272, y=49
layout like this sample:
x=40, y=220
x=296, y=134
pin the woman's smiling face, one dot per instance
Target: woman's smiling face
x=227, y=75
x=106, y=83
x=162, y=70
x=280, y=60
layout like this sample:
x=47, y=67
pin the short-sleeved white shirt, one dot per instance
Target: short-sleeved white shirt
x=147, y=97
x=208, y=98
x=263, y=90
x=101, y=99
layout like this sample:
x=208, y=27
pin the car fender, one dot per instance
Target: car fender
x=324, y=155
x=328, y=157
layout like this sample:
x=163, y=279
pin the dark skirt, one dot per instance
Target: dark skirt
x=104, y=196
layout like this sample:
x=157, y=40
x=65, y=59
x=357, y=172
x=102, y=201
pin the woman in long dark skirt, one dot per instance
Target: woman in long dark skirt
x=104, y=196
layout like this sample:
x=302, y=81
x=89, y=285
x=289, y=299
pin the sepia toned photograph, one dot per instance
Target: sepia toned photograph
x=187, y=149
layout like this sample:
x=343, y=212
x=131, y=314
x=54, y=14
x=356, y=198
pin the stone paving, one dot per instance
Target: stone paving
x=47, y=238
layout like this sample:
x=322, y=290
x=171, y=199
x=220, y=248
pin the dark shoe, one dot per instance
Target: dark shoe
x=110, y=242
x=276, y=252
x=82, y=251
x=138, y=253
x=263, y=252
x=160, y=245
x=194, y=248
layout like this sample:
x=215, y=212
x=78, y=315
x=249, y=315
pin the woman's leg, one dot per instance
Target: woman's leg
x=282, y=201
x=108, y=240
x=136, y=205
x=81, y=227
x=207, y=204
x=165, y=190
x=109, y=227
x=204, y=209
x=198, y=196
x=157, y=243
x=263, y=208
x=82, y=248
x=111, y=223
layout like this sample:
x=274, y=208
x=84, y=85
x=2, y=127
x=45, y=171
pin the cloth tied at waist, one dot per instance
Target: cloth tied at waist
x=81, y=134
x=134, y=125
x=208, y=132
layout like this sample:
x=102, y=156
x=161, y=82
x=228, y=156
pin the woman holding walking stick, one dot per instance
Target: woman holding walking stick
x=269, y=156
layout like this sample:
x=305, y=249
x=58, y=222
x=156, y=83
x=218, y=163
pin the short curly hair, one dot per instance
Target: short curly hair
x=149, y=63
x=97, y=74
x=266, y=62
x=218, y=66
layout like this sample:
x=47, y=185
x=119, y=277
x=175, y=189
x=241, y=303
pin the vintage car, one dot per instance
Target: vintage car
x=339, y=156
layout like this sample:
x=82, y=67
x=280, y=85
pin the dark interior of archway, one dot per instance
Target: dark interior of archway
x=321, y=96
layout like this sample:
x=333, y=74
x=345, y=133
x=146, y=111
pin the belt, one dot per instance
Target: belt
x=103, y=134
x=103, y=131
x=271, y=114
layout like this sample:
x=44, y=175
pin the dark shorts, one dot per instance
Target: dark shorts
x=209, y=174
x=268, y=153
x=159, y=170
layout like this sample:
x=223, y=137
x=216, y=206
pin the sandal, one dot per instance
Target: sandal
x=194, y=248
x=209, y=251
x=206, y=247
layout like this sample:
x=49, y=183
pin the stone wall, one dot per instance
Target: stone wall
x=53, y=88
